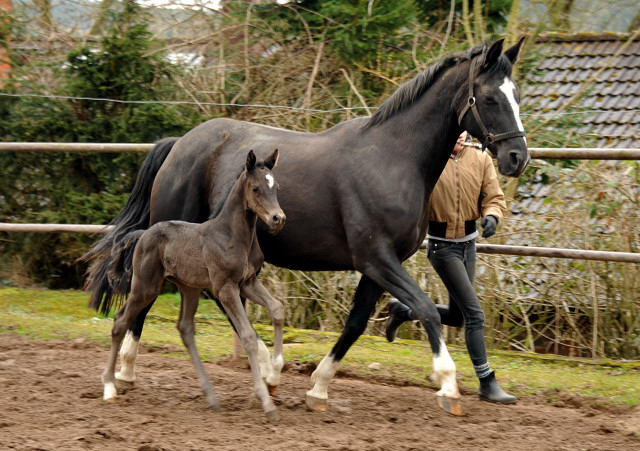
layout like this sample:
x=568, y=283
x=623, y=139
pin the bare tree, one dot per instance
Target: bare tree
x=560, y=14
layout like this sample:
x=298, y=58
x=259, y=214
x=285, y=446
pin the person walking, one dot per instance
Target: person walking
x=467, y=190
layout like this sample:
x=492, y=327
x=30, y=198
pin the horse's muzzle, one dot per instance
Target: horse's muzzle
x=513, y=162
x=276, y=222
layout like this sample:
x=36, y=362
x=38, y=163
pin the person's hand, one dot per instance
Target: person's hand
x=489, y=224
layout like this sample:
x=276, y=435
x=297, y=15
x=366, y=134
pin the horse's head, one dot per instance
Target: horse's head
x=261, y=191
x=488, y=108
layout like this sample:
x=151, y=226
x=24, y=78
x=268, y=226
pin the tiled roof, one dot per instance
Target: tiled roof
x=603, y=71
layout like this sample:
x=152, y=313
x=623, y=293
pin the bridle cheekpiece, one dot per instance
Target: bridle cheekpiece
x=488, y=137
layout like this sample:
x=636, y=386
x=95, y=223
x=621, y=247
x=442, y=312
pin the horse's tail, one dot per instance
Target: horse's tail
x=106, y=278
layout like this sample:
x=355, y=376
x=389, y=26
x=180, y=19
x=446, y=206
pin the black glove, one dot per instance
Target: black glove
x=489, y=224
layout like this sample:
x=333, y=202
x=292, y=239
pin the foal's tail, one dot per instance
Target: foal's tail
x=120, y=267
x=106, y=277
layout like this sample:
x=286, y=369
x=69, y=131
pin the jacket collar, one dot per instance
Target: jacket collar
x=461, y=153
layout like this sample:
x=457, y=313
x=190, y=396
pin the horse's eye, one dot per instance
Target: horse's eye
x=491, y=100
x=256, y=190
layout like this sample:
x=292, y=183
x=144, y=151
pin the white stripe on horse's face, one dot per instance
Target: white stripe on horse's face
x=509, y=89
x=270, y=180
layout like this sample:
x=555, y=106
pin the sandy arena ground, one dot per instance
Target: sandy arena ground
x=50, y=399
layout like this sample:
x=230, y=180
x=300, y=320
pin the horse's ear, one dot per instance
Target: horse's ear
x=272, y=160
x=251, y=160
x=512, y=53
x=493, y=53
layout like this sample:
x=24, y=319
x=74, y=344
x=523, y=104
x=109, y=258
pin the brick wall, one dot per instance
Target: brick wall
x=4, y=57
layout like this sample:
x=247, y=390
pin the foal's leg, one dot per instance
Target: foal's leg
x=129, y=348
x=237, y=346
x=142, y=294
x=255, y=291
x=190, y=297
x=229, y=296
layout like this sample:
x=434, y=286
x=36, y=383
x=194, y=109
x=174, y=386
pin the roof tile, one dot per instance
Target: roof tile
x=609, y=87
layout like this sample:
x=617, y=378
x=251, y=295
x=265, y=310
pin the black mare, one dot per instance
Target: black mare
x=356, y=195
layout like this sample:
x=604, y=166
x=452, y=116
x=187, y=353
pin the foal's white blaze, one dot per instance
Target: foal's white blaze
x=128, y=355
x=322, y=377
x=509, y=89
x=270, y=180
x=444, y=373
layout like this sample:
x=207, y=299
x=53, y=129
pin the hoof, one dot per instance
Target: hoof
x=111, y=400
x=214, y=404
x=126, y=377
x=273, y=390
x=272, y=416
x=316, y=404
x=110, y=393
x=450, y=405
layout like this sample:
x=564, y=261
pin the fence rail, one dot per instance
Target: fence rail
x=54, y=228
x=525, y=251
x=543, y=153
x=75, y=147
x=528, y=251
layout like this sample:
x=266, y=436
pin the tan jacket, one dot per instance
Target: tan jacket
x=467, y=190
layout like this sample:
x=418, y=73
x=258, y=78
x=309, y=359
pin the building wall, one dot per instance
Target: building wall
x=4, y=56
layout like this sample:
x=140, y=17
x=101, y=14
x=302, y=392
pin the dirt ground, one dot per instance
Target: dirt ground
x=50, y=399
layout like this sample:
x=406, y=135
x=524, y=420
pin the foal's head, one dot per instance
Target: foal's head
x=260, y=189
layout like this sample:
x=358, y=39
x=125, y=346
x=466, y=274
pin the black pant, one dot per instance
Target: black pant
x=455, y=263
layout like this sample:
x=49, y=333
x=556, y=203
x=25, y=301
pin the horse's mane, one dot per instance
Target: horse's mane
x=410, y=91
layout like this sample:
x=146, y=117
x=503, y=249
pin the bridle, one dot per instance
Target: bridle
x=488, y=137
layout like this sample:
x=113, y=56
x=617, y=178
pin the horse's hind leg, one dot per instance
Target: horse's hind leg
x=190, y=297
x=255, y=291
x=367, y=295
x=229, y=296
x=129, y=348
x=108, y=377
x=137, y=300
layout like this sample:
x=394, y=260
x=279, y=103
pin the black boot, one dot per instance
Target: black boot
x=398, y=314
x=491, y=391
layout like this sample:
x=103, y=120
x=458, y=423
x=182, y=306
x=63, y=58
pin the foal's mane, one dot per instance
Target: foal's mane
x=411, y=91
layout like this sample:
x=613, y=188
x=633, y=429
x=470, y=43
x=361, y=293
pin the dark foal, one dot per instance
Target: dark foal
x=220, y=255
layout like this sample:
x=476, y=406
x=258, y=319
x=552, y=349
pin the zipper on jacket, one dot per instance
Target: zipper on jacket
x=457, y=209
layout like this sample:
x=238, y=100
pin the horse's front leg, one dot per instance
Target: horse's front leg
x=394, y=278
x=229, y=296
x=367, y=295
x=255, y=290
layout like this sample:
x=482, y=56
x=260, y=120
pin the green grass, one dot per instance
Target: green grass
x=44, y=314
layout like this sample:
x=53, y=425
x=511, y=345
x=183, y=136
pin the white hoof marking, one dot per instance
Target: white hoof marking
x=110, y=391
